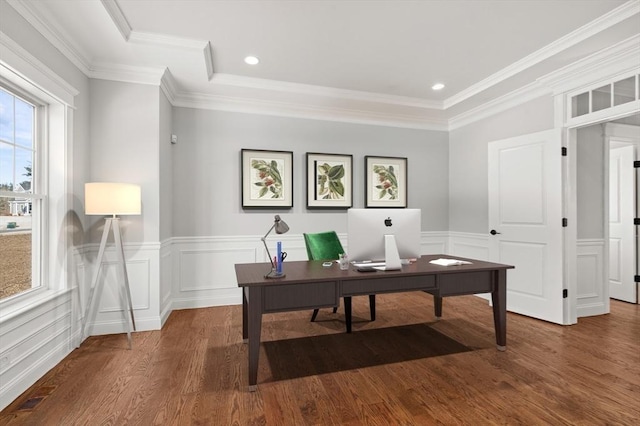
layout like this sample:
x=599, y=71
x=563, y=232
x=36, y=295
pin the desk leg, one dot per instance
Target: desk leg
x=437, y=306
x=499, y=299
x=245, y=298
x=347, y=312
x=372, y=306
x=254, y=316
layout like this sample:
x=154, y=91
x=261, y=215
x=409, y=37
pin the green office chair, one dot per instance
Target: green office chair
x=326, y=246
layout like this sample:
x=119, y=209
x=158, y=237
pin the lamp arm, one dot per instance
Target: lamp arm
x=268, y=253
x=264, y=241
x=268, y=232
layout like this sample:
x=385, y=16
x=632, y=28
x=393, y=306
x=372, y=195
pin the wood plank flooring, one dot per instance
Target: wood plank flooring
x=405, y=368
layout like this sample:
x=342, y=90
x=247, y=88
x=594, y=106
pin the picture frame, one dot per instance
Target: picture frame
x=267, y=178
x=385, y=182
x=329, y=181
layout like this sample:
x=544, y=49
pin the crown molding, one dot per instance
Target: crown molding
x=163, y=41
x=497, y=105
x=357, y=106
x=128, y=74
x=200, y=47
x=53, y=33
x=616, y=59
x=22, y=66
x=158, y=40
x=168, y=86
x=322, y=91
x=600, y=24
x=312, y=112
x=118, y=18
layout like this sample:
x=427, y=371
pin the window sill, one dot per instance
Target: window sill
x=18, y=305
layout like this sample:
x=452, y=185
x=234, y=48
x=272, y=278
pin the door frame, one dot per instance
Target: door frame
x=584, y=76
x=570, y=167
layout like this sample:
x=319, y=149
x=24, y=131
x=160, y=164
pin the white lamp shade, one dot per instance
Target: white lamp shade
x=110, y=198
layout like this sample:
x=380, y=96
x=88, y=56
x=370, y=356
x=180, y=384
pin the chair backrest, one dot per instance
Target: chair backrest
x=323, y=246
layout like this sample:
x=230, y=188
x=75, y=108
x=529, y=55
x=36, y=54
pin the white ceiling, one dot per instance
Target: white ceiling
x=353, y=56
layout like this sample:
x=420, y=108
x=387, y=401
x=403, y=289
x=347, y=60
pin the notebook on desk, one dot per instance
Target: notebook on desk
x=449, y=262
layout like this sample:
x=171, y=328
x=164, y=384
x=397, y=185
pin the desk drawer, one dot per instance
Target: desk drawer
x=294, y=297
x=387, y=285
x=465, y=283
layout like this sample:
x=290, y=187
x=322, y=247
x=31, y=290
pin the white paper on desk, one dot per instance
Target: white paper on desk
x=449, y=262
x=384, y=268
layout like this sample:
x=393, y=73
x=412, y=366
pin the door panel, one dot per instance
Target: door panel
x=520, y=173
x=525, y=208
x=528, y=276
x=622, y=250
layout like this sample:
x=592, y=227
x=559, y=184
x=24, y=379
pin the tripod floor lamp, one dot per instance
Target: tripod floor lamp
x=111, y=199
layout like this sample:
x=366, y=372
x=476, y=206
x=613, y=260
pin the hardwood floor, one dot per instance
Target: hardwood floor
x=403, y=369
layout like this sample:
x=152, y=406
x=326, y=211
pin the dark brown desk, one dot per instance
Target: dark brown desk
x=309, y=285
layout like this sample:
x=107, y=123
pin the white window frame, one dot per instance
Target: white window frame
x=25, y=72
x=37, y=196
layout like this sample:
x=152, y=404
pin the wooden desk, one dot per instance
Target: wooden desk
x=309, y=285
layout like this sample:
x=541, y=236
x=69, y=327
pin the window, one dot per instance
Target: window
x=20, y=196
x=611, y=95
x=27, y=82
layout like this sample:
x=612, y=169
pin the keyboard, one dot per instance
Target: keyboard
x=368, y=264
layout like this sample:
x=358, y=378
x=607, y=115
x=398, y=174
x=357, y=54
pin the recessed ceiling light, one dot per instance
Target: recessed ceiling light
x=251, y=60
x=438, y=86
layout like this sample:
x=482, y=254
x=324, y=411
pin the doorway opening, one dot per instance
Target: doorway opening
x=606, y=204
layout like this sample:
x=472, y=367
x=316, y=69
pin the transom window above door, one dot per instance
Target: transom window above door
x=605, y=96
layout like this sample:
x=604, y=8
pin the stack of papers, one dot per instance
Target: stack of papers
x=449, y=262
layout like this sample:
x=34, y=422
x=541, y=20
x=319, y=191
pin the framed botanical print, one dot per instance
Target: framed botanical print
x=385, y=181
x=329, y=181
x=267, y=179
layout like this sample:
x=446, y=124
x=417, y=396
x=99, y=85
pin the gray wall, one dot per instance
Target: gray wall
x=166, y=168
x=590, y=182
x=468, y=157
x=207, y=169
x=124, y=148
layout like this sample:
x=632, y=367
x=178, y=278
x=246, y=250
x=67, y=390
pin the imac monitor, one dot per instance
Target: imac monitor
x=368, y=232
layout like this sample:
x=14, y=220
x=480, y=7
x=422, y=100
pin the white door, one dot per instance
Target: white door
x=622, y=247
x=525, y=219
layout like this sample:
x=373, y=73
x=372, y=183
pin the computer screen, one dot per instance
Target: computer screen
x=366, y=229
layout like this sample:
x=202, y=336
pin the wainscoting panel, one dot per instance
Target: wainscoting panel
x=143, y=271
x=593, y=299
x=34, y=343
x=474, y=246
x=111, y=299
x=208, y=269
x=434, y=243
x=615, y=259
x=469, y=245
x=204, y=266
x=166, y=281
